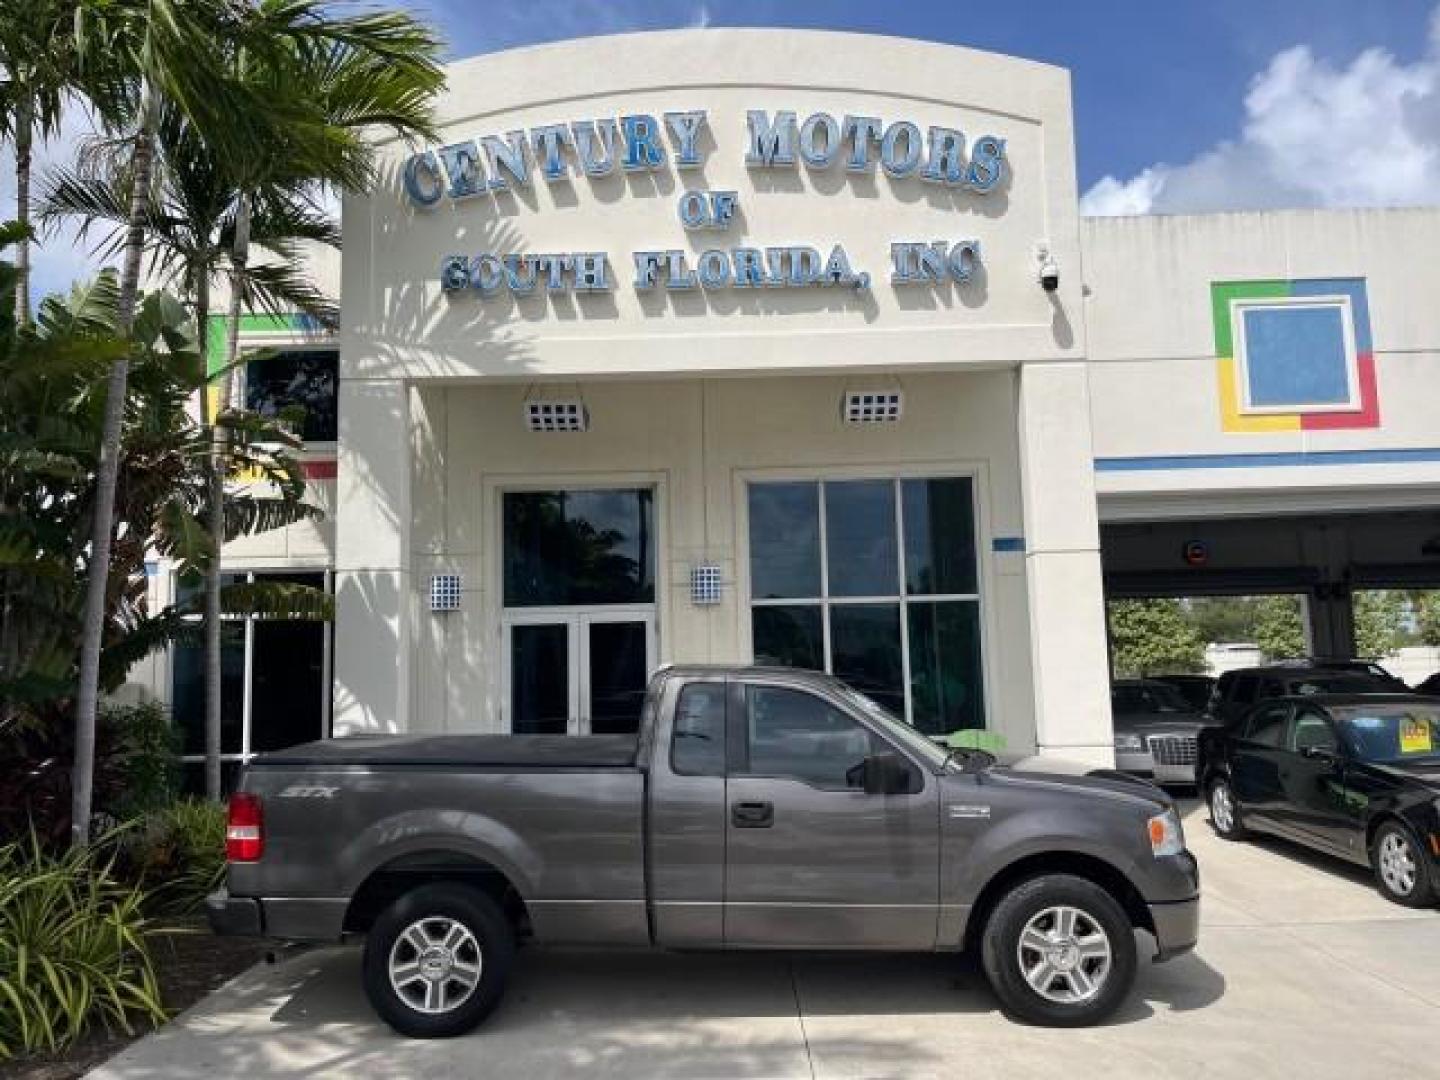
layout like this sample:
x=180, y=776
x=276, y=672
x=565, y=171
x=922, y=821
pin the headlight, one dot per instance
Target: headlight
x=1167, y=837
x=1129, y=744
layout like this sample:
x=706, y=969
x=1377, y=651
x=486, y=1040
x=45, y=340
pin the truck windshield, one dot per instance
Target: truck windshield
x=897, y=729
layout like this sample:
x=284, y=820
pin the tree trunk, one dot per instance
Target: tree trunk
x=216, y=525
x=24, y=139
x=87, y=696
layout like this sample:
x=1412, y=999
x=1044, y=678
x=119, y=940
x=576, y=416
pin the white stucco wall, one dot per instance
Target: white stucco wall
x=432, y=384
x=1155, y=390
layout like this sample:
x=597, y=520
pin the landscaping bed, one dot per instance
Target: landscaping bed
x=190, y=962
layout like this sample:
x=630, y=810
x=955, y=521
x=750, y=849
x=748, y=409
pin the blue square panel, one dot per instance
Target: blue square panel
x=1295, y=356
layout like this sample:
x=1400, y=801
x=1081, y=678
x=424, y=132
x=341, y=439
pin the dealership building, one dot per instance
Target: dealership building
x=791, y=346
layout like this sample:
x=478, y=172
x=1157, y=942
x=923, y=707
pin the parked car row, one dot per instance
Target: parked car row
x=1337, y=755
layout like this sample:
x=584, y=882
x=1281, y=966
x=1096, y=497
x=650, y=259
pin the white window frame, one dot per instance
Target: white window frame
x=1238, y=309
x=494, y=488
x=974, y=473
x=327, y=671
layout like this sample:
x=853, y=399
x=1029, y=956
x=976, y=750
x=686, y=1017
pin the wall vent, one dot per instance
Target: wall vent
x=705, y=585
x=872, y=406
x=553, y=415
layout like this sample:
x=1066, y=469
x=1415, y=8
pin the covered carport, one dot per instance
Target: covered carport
x=1259, y=549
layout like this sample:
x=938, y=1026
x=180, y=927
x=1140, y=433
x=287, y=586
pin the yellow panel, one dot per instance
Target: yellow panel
x=1232, y=419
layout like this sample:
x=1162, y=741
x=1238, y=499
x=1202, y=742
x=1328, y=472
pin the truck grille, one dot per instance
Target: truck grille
x=1172, y=749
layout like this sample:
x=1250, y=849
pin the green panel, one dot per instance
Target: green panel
x=249, y=324
x=1222, y=292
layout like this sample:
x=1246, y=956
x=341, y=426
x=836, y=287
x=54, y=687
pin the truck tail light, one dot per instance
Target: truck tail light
x=245, y=828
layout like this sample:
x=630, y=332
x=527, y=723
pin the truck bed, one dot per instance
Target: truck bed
x=484, y=752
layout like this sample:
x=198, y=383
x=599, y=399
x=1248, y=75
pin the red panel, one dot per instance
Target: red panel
x=1367, y=416
x=318, y=470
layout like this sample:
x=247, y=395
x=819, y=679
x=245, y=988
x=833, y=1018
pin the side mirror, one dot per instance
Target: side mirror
x=1326, y=754
x=885, y=774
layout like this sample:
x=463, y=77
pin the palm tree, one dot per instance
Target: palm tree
x=374, y=71
x=135, y=57
x=190, y=228
x=36, y=73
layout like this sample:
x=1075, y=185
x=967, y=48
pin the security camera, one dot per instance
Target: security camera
x=1049, y=273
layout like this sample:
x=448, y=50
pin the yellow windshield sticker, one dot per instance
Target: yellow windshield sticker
x=1415, y=736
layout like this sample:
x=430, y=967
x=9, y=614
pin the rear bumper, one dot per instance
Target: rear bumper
x=234, y=916
x=288, y=919
x=1177, y=927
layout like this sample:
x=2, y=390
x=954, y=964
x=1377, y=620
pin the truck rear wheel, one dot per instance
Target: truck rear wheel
x=436, y=961
x=1059, y=951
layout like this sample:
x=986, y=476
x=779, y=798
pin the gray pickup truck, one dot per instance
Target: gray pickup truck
x=755, y=809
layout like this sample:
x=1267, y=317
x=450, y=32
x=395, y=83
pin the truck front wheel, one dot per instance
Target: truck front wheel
x=436, y=961
x=1059, y=950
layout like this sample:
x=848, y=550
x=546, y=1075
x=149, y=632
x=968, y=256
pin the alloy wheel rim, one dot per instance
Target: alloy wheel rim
x=1220, y=807
x=1065, y=955
x=1397, y=864
x=435, y=965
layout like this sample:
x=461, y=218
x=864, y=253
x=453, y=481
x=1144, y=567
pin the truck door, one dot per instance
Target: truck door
x=811, y=860
x=687, y=813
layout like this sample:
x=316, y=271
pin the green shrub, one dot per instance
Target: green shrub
x=178, y=853
x=72, y=949
x=147, y=758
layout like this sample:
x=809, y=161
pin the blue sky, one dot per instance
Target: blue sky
x=1180, y=105
x=1154, y=83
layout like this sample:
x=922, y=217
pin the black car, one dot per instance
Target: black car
x=1354, y=775
x=1195, y=689
x=1236, y=691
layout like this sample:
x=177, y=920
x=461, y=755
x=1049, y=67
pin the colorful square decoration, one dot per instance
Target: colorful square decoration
x=1294, y=355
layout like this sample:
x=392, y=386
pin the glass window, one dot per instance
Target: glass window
x=784, y=540
x=697, y=747
x=939, y=536
x=1310, y=729
x=306, y=378
x=865, y=651
x=187, y=695
x=280, y=663
x=945, y=685
x=539, y=687
x=915, y=568
x=1391, y=734
x=789, y=636
x=860, y=541
x=1243, y=691
x=618, y=672
x=1267, y=725
x=579, y=547
x=794, y=734
x=287, y=685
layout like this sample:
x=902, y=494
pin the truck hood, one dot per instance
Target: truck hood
x=1081, y=778
x=1159, y=723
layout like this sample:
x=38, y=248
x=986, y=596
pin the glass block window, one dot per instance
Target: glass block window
x=307, y=378
x=874, y=581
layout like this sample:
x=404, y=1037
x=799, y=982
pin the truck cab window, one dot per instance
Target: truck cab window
x=796, y=735
x=697, y=747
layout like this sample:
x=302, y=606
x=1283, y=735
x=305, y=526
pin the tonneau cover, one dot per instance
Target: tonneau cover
x=497, y=752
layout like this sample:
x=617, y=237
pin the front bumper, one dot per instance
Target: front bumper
x=234, y=916
x=1177, y=927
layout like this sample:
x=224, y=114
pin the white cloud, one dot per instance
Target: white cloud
x=57, y=258
x=1366, y=134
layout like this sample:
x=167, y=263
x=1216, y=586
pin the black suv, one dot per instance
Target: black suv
x=1236, y=691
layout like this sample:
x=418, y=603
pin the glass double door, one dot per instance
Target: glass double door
x=579, y=672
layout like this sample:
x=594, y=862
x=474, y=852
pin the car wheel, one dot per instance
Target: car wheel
x=1059, y=951
x=1225, y=811
x=436, y=961
x=1400, y=869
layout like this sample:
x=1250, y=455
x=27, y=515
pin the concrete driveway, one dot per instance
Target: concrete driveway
x=1302, y=971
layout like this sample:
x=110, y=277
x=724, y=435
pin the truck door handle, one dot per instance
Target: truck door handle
x=753, y=815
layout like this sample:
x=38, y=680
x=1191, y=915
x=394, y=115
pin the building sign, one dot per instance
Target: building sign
x=490, y=164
